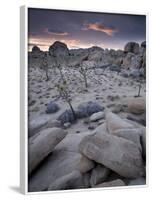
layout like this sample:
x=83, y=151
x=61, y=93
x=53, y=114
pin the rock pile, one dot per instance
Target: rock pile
x=109, y=156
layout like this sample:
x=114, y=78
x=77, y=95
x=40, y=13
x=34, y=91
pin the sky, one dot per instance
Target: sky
x=83, y=29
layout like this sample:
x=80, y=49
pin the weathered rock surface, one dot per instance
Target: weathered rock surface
x=41, y=144
x=114, y=183
x=116, y=153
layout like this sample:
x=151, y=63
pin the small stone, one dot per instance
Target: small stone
x=96, y=116
x=67, y=125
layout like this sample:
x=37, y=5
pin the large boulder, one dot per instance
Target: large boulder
x=132, y=47
x=88, y=108
x=137, y=106
x=58, y=49
x=116, y=153
x=37, y=124
x=52, y=107
x=57, y=165
x=42, y=144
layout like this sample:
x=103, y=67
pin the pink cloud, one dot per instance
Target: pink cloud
x=100, y=27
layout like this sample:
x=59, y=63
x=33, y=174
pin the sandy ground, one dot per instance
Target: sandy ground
x=101, y=87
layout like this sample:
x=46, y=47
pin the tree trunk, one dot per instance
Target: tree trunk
x=73, y=112
x=47, y=77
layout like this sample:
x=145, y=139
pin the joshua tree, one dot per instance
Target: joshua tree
x=45, y=66
x=83, y=71
x=62, y=88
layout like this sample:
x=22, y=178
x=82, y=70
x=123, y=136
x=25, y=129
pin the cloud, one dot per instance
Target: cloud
x=55, y=32
x=100, y=27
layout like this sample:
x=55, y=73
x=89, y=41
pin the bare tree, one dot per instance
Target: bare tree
x=62, y=88
x=45, y=66
x=83, y=71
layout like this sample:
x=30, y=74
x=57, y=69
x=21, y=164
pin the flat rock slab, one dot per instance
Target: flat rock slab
x=116, y=153
x=41, y=144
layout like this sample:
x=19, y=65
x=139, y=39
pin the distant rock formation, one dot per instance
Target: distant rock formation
x=132, y=47
x=132, y=57
x=36, y=49
x=143, y=44
x=58, y=49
